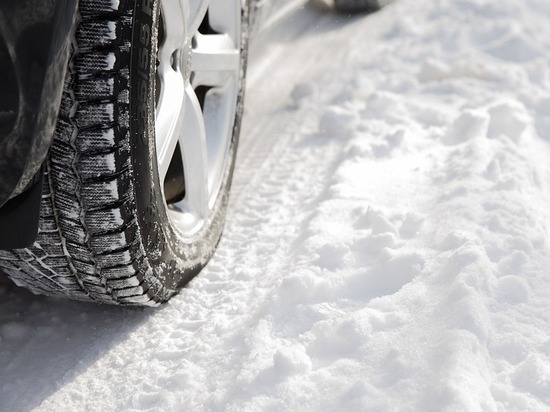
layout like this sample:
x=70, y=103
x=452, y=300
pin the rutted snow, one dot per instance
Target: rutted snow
x=387, y=243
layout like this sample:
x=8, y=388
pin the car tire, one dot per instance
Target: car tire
x=137, y=181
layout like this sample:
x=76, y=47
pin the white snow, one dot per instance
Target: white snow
x=387, y=244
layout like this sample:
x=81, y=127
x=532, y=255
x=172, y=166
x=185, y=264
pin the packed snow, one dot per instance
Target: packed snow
x=387, y=245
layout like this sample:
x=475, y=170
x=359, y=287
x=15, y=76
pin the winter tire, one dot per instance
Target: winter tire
x=137, y=180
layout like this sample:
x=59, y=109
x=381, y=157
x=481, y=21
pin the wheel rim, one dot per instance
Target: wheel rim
x=198, y=84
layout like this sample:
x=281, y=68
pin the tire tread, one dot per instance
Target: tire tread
x=88, y=244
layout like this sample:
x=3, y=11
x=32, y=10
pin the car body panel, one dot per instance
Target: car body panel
x=34, y=46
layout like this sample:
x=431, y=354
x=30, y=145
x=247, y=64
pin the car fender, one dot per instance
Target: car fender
x=34, y=49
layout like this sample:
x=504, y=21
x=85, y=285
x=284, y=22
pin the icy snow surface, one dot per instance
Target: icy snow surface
x=387, y=245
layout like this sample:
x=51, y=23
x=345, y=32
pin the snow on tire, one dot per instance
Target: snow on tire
x=109, y=230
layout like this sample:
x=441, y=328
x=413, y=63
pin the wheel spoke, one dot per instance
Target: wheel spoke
x=168, y=122
x=197, y=12
x=221, y=19
x=219, y=113
x=173, y=14
x=215, y=59
x=193, y=151
x=170, y=105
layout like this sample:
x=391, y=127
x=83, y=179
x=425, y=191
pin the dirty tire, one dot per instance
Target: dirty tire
x=104, y=232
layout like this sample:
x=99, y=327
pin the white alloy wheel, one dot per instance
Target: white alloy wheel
x=198, y=84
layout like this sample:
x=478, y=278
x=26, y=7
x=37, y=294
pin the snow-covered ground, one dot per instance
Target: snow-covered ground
x=387, y=245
